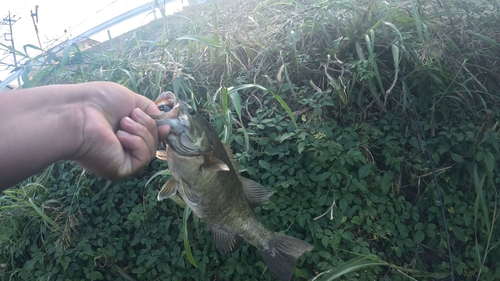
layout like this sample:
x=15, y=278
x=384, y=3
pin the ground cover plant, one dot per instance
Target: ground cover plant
x=319, y=102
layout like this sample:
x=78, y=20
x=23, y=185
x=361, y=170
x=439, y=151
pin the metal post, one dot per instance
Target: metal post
x=33, y=15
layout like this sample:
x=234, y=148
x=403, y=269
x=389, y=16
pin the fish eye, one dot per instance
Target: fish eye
x=191, y=111
x=165, y=107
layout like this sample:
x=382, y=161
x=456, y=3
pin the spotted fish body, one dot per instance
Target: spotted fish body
x=207, y=179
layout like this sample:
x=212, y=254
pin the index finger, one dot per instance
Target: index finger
x=150, y=108
x=146, y=105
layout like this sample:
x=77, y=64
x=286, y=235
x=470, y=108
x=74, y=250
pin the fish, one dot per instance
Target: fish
x=205, y=175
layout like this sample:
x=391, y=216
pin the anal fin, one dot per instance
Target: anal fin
x=225, y=242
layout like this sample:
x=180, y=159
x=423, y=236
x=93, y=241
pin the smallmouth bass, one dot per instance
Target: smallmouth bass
x=204, y=174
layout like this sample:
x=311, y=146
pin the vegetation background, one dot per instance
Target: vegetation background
x=319, y=101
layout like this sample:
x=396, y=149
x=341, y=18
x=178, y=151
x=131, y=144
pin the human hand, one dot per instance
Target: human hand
x=118, y=136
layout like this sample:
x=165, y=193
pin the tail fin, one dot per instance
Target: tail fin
x=281, y=253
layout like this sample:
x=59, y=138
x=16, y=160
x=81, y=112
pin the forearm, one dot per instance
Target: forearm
x=37, y=127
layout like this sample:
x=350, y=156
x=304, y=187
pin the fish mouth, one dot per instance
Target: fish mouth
x=184, y=137
x=168, y=104
x=170, y=107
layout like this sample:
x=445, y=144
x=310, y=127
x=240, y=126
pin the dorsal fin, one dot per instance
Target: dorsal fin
x=255, y=192
x=213, y=164
x=231, y=157
x=225, y=242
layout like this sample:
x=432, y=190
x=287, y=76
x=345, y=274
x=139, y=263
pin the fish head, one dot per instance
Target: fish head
x=190, y=133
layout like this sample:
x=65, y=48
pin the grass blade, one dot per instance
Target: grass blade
x=225, y=99
x=235, y=98
x=187, y=247
x=48, y=221
x=352, y=265
x=418, y=23
x=203, y=40
x=395, y=29
x=395, y=57
x=484, y=38
x=277, y=97
x=228, y=133
x=159, y=173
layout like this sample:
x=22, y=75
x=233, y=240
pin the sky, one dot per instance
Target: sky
x=60, y=20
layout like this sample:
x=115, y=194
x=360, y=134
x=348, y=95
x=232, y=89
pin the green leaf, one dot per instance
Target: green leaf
x=302, y=221
x=152, y=260
x=386, y=182
x=489, y=161
x=265, y=165
x=457, y=158
x=364, y=170
x=301, y=147
x=323, y=176
x=459, y=233
x=419, y=237
x=325, y=255
x=286, y=136
x=343, y=204
x=96, y=275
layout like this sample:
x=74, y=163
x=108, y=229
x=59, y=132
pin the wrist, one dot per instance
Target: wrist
x=93, y=114
x=70, y=117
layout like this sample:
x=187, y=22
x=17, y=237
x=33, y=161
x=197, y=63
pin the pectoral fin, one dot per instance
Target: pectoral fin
x=225, y=242
x=255, y=192
x=168, y=189
x=215, y=165
x=190, y=195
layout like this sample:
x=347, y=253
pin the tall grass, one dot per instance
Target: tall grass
x=310, y=59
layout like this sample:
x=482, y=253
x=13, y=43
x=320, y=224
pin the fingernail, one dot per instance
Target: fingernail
x=122, y=133
x=130, y=121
